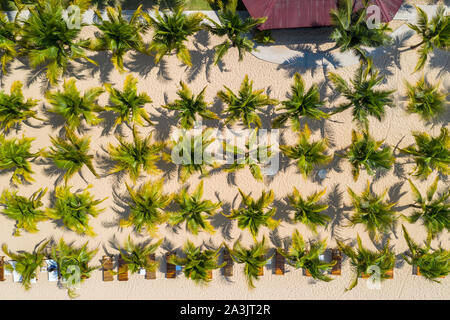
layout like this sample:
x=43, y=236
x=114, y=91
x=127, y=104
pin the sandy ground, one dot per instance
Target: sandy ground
x=160, y=82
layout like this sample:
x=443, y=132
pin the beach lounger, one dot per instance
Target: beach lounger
x=279, y=264
x=52, y=269
x=123, y=270
x=107, y=267
x=419, y=274
x=2, y=268
x=150, y=275
x=321, y=258
x=209, y=274
x=17, y=278
x=261, y=272
x=228, y=268
x=170, y=268
x=390, y=274
x=336, y=256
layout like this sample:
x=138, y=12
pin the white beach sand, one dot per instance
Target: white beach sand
x=162, y=81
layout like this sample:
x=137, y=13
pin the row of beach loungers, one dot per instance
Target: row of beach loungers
x=171, y=269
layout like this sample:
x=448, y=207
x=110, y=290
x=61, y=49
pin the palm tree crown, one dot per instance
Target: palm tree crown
x=136, y=256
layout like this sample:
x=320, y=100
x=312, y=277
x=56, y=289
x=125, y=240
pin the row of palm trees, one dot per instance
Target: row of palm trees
x=148, y=210
x=48, y=40
x=198, y=262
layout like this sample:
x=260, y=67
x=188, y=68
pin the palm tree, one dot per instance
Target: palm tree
x=49, y=41
x=300, y=103
x=362, y=95
x=425, y=99
x=435, y=214
x=432, y=264
x=369, y=209
x=430, y=153
x=15, y=156
x=13, y=107
x=73, y=106
x=231, y=26
x=171, y=30
x=74, y=209
x=309, y=211
x=147, y=207
x=138, y=155
x=253, y=214
x=71, y=154
x=245, y=104
x=136, y=255
x=363, y=260
x=198, y=263
x=365, y=152
x=299, y=257
x=351, y=31
x=194, y=211
x=252, y=156
x=189, y=106
x=308, y=155
x=435, y=33
x=27, y=263
x=8, y=41
x=191, y=153
x=26, y=211
x=128, y=104
x=73, y=264
x=119, y=35
x=254, y=258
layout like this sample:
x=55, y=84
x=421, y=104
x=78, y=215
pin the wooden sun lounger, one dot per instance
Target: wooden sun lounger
x=209, y=274
x=150, y=275
x=228, y=268
x=2, y=268
x=336, y=256
x=123, y=270
x=419, y=274
x=390, y=274
x=279, y=264
x=107, y=266
x=171, y=272
x=261, y=272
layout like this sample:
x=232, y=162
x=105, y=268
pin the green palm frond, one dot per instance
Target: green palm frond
x=363, y=260
x=147, y=205
x=120, y=35
x=255, y=213
x=194, y=211
x=352, y=33
x=362, y=95
x=8, y=41
x=301, y=103
x=13, y=107
x=128, y=104
x=376, y=215
x=365, y=152
x=435, y=213
x=198, y=263
x=308, y=155
x=27, y=263
x=189, y=106
x=234, y=28
x=253, y=258
x=74, y=107
x=73, y=264
x=434, y=33
x=74, y=209
x=26, y=211
x=245, y=104
x=71, y=154
x=171, y=32
x=132, y=157
x=15, y=156
x=253, y=156
x=299, y=256
x=425, y=99
x=308, y=211
x=430, y=153
x=191, y=153
x=433, y=264
x=136, y=255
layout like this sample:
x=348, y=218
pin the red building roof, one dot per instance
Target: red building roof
x=307, y=13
